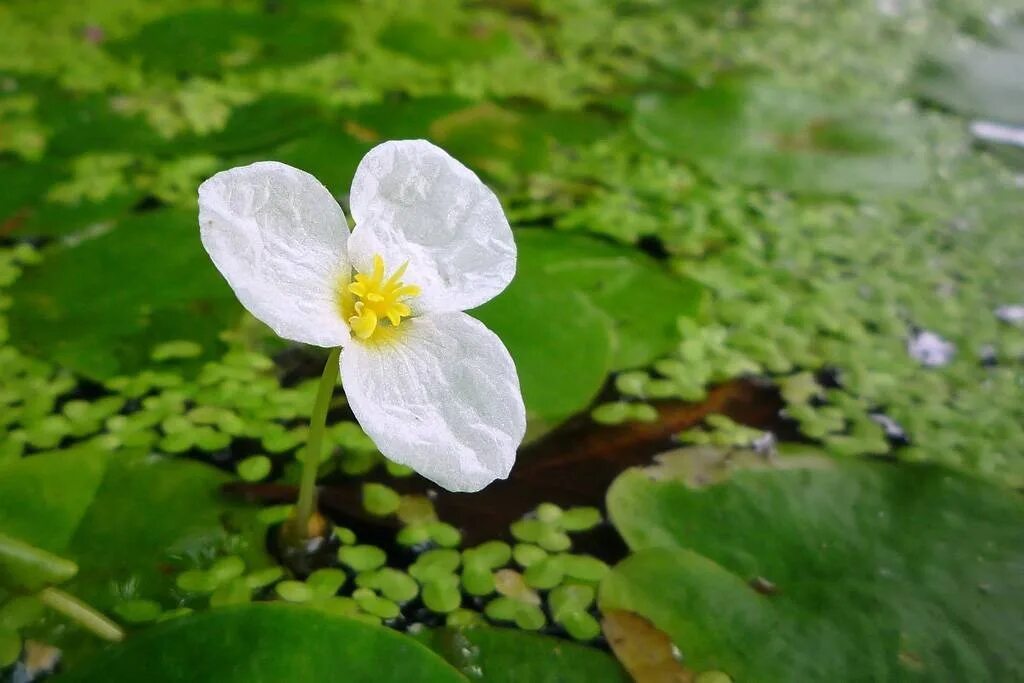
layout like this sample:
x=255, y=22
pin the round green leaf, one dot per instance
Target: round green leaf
x=266, y=643
x=559, y=340
x=499, y=655
x=854, y=570
x=755, y=133
x=113, y=291
x=126, y=519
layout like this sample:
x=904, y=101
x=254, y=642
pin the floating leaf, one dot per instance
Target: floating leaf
x=754, y=133
x=433, y=43
x=642, y=299
x=79, y=218
x=125, y=518
x=329, y=153
x=505, y=143
x=145, y=282
x=203, y=41
x=853, y=569
x=499, y=655
x=256, y=126
x=559, y=341
x=261, y=643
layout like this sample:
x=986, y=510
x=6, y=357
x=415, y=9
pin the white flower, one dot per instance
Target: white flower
x=434, y=388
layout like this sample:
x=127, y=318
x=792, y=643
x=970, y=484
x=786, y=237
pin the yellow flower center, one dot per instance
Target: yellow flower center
x=378, y=306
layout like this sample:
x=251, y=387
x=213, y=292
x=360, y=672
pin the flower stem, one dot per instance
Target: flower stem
x=81, y=613
x=314, y=449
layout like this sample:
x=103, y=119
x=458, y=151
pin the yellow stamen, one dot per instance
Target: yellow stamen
x=378, y=307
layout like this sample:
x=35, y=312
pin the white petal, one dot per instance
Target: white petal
x=413, y=202
x=442, y=398
x=278, y=237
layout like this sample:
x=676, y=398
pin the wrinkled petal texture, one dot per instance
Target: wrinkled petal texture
x=278, y=237
x=412, y=201
x=443, y=398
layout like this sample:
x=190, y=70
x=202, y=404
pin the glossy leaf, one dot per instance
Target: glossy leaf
x=642, y=300
x=853, y=570
x=126, y=519
x=266, y=643
x=500, y=655
x=561, y=344
x=100, y=305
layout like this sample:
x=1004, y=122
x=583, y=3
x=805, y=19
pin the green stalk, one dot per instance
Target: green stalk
x=314, y=448
x=80, y=613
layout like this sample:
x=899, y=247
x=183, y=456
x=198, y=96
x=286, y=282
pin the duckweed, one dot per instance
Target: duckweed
x=233, y=592
x=226, y=568
x=492, y=554
x=579, y=625
x=441, y=594
x=528, y=530
x=569, y=605
x=413, y=535
x=435, y=564
x=393, y=584
x=375, y=605
x=571, y=597
x=338, y=605
x=580, y=519
x=553, y=540
x=263, y=577
x=274, y=514
x=444, y=535
x=362, y=558
x=380, y=500
x=549, y=513
x=254, y=468
x=583, y=567
x=138, y=611
x=294, y=591
x=526, y=554
x=344, y=536
x=196, y=581
x=510, y=583
x=463, y=618
x=416, y=510
x=619, y=412
x=324, y=583
x=477, y=579
x=546, y=573
x=526, y=616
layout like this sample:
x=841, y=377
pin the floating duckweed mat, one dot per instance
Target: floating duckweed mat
x=782, y=192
